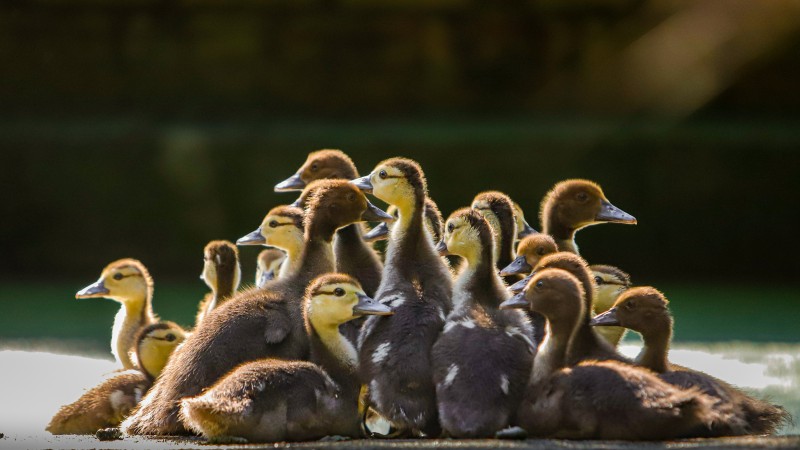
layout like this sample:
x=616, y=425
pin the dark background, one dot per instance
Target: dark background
x=144, y=129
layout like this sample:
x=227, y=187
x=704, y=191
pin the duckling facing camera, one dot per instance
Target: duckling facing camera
x=272, y=400
x=108, y=403
x=221, y=273
x=268, y=264
x=128, y=282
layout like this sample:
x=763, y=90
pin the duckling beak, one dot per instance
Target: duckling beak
x=366, y=305
x=363, y=183
x=608, y=318
x=526, y=230
x=375, y=214
x=518, y=265
x=98, y=289
x=610, y=213
x=293, y=183
x=254, y=238
x=441, y=247
x=377, y=233
x=266, y=276
x=296, y=203
x=515, y=302
x=517, y=287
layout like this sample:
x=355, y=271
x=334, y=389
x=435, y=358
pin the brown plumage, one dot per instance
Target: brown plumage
x=575, y=204
x=498, y=209
x=646, y=311
x=221, y=272
x=257, y=323
x=598, y=400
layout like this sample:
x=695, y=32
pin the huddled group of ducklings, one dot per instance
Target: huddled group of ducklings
x=503, y=341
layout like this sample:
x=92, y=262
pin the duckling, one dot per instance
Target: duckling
x=128, y=282
x=597, y=400
x=433, y=224
x=611, y=282
x=353, y=255
x=394, y=353
x=221, y=272
x=268, y=264
x=646, y=311
x=498, y=209
x=272, y=400
x=587, y=343
x=482, y=360
x=281, y=228
x=575, y=204
x=523, y=227
x=256, y=323
x=106, y=404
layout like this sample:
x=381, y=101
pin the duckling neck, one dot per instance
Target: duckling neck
x=136, y=312
x=332, y=350
x=317, y=258
x=292, y=261
x=480, y=281
x=552, y=353
x=656, y=346
x=563, y=235
x=408, y=235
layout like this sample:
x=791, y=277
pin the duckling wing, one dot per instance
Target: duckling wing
x=102, y=406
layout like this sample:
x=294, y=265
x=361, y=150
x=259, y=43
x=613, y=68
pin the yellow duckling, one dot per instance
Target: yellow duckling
x=611, y=283
x=108, y=403
x=128, y=282
x=221, y=272
x=268, y=264
x=281, y=228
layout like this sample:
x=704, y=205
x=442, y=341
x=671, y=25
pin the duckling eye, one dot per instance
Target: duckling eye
x=338, y=292
x=314, y=167
x=170, y=337
x=273, y=223
x=540, y=251
x=117, y=276
x=630, y=305
x=450, y=227
x=351, y=197
x=539, y=284
x=383, y=174
x=582, y=196
x=598, y=280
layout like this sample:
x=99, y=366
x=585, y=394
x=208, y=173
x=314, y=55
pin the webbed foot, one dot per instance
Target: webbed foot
x=516, y=433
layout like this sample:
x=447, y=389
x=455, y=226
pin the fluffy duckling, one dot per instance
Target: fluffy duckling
x=611, y=282
x=575, y=204
x=394, y=353
x=523, y=227
x=281, y=228
x=106, y=404
x=272, y=400
x=433, y=224
x=256, y=323
x=268, y=264
x=483, y=358
x=128, y=282
x=498, y=209
x=597, y=400
x=353, y=255
x=646, y=311
x=222, y=274
x=587, y=343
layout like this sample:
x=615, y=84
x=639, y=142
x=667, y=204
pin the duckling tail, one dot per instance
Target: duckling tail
x=763, y=417
x=206, y=417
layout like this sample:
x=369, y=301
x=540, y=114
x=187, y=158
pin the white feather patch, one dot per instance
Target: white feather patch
x=452, y=371
x=381, y=353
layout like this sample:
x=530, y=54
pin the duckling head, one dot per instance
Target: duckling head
x=467, y=234
x=267, y=264
x=642, y=309
x=332, y=204
x=221, y=270
x=498, y=209
x=523, y=227
x=529, y=251
x=282, y=228
x=396, y=181
x=125, y=280
x=570, y=262
x=320, y=165
x=574, y=204
x=333, y=299
x=611, y=282
x=554, y=293
x=154, y=345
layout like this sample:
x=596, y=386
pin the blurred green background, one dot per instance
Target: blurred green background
x=145, y=128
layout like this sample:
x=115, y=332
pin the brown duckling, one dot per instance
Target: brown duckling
x=433, y=224
x=587, y=343
x=498, y=209
x=128, y=282
x=256, y=323
x=646, y=311
x=523, y=227
x=106, y=404
x=575, y=204
x=271, y=400
x=353, y=255
x=395, y=362
x=611, y=283
x=598, y=400
x=268, y=264
x=221, y=272
x=482, y=359
x=281, y=228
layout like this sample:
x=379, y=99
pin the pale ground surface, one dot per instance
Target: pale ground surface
x=35, y=384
